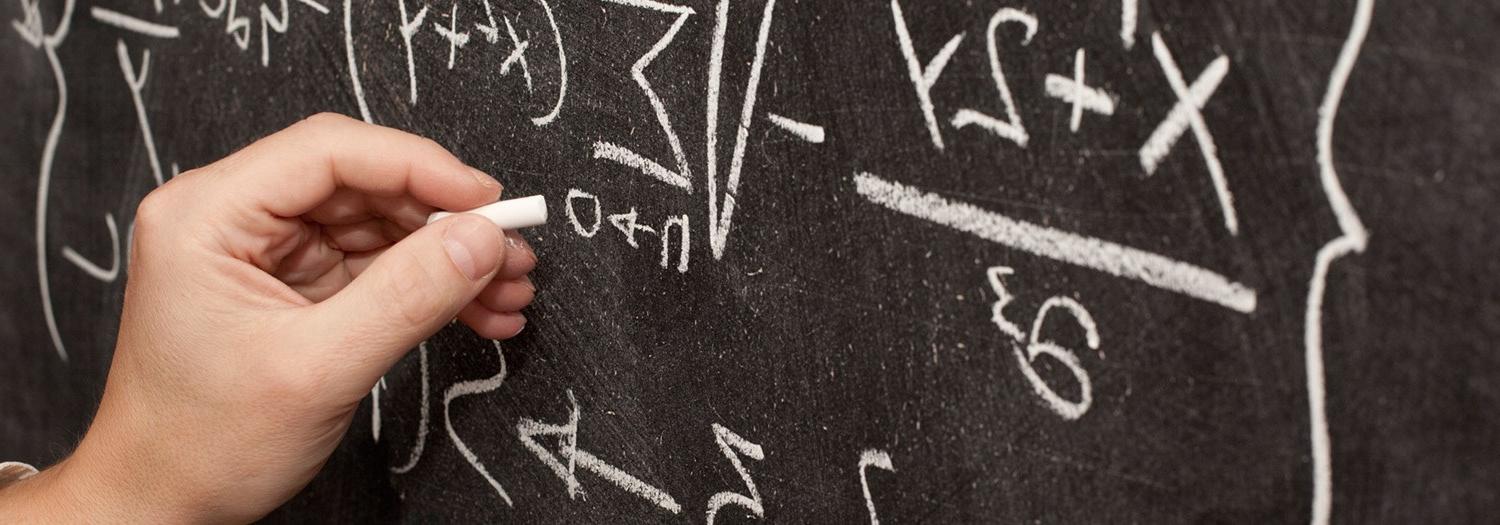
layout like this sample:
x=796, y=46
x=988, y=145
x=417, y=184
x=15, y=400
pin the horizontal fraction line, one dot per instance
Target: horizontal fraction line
x=1058, y=245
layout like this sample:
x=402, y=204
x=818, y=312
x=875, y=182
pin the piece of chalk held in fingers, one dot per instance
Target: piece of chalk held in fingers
x=511, y=214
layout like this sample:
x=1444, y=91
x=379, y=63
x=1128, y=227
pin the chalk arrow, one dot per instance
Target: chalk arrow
x=567, y=441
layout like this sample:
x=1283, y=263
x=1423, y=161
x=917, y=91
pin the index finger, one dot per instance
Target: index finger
x=292, y=171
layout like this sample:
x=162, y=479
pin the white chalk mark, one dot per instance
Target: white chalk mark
x=456, y=39
x=359, y=90
x=620, y=155
x=711, y=125
x=416, y=449
x=573, y=214
x=996, y=275
x=1128, y=13
x=136, y=80
x=872, y=458
x=623, y=479
x=719, y=223
x=375, y=408
x=1012, y=128
x=409, y=28
x=517, y=55
x=567, y=437
x=1172, y=127
x=490, y=31
x=802, y=130
x=681, y=222
x=626, y=223
x=1088, y=252
x=268, y=20
x=1353, y=240
x=1200, y=131
x=132, y=24
x=562, y=70
x=320, y=8
x=468, y=388
x=732, y=445
x=92, y=269
x=237, y=27
x=638, y=73
x=49, y=44
x=1069, y=410
x=1079, y=94
x=923, y=77
x=30, y=25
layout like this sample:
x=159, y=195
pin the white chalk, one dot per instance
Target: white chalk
x=524, y=212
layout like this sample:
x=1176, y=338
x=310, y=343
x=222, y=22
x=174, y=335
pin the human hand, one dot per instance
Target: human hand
x=267, y=293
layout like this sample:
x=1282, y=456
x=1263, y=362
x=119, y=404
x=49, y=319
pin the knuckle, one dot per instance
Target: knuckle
x=153, y=211
x=324, y=119
x=411, y=293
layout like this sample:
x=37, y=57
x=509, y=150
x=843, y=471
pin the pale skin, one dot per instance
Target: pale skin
x=267, y=294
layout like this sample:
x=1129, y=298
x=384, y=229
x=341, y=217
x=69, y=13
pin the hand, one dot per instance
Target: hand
x=267, y=293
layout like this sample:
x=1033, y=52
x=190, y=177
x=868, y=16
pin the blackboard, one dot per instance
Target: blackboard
x=819, y=261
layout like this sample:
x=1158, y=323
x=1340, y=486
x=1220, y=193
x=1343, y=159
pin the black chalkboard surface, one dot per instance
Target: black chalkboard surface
x=828, y=262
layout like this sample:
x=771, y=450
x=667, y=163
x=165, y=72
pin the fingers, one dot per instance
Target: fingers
x=521, y=259
x=490, y=324
x=295, y=170
x=410, y=291
x=507, y=296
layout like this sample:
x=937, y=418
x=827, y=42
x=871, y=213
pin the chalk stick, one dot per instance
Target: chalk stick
x=511, y=214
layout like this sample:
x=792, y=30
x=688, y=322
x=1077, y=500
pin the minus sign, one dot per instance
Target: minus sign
x=808, y=132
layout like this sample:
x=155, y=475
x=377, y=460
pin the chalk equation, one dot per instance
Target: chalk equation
x=529, y=33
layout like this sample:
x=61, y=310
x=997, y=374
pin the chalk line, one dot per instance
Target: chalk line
x=416, y=450
x=1129, y=11
x=923, y=77
x=320, y=8
x=878, y=459
x=1200, y=131
x=621, y=155
x=808, y=132
x=132, y=24
x=1353, y=240
x=624, y=480
x=1088, y=252
x=88, y=266
x=638, y=73
x=720, y=221
x=517, y=55
x=1012, y=128
x=456, y=39
x=562, y=70
x=49, y=44
x=1172, y=127
x=137, y=83
x=409, y=28
x=1082, y=96
x=468, y=388
x=359, y=91
x=732, y=445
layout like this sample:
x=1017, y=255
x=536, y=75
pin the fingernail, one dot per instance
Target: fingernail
x=484, y=179
x=473, y=244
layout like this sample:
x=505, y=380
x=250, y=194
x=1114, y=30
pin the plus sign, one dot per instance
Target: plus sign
x=1076, y=92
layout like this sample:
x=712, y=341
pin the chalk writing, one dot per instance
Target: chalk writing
x=732, y=445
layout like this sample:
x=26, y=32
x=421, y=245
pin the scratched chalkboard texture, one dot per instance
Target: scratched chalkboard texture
x=829, y=261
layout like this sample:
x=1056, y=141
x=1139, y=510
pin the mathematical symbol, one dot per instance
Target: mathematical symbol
x=1075, y=91
x=456, y=39
x=1186, y=113
x=517, y=56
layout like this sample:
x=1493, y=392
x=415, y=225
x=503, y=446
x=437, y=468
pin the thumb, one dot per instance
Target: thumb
x=411, y=290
